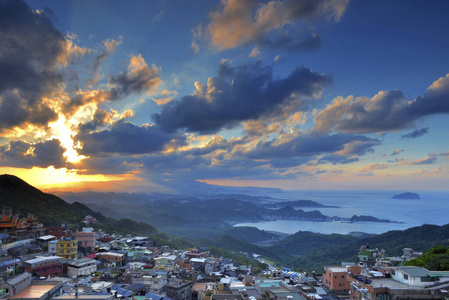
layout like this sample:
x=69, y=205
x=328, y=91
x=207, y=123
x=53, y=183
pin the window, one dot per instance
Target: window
x=405, y=276
x=342, y=276
x=335, y=276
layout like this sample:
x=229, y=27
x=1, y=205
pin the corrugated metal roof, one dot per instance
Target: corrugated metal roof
x=414, y=271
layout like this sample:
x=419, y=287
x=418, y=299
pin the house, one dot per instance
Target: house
x=389, y=288
x=335, y=278
x=417, y=276
x=409, y=253
x=211, y=265
x=113, y=259
x=59, y=232
x=196, y=253
x=43, y=240
x=68, y=248
x=15, y=285
x=83, y=266
x=8, y=266
x=165, y=261
x=45, y=266
x=22, y=287
x=53, y=247
x=179, y=289
x=86, y=239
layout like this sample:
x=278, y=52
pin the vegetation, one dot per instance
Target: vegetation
x=435, y=259
x=305, y=251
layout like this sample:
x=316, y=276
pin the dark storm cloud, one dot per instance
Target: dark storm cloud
x=100, y=118
x=125, y=138
x=416, y=133
x=16, y=111
x=29, y=51
x=311, y=145
x=24, y=155
x=237, y=94
x=138, y=78
x=385, y=111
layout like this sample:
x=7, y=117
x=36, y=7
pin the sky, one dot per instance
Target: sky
x=295, y=94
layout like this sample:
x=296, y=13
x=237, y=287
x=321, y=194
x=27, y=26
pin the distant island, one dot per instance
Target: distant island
x=408, y=195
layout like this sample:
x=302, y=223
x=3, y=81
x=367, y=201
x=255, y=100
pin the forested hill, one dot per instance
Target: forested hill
x=51, y=210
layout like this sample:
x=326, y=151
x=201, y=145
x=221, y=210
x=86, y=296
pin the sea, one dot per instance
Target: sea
x=432, y=208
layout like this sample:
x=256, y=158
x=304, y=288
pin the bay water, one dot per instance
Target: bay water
x=432, y=208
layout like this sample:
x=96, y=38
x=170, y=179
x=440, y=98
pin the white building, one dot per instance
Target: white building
x=417, y=276
x=81, y=267
x=53, y=247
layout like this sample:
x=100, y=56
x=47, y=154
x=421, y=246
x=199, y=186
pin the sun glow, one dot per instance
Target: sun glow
x=61, y=131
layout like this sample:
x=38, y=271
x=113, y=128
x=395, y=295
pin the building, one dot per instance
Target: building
x=335, y=278
x=19, y=227
x=68, y=248
x=417, y=276
x=178, y=289
x=83, y=266
x=113, y=259
x=85, y=239
x=15, y=285
x=389, y=288
x=53, y=247
x=45, y=266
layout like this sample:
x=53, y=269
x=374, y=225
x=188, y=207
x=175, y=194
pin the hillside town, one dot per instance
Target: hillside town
x=65, y=263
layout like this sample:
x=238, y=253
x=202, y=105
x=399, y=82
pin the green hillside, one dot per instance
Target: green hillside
x=23, y=198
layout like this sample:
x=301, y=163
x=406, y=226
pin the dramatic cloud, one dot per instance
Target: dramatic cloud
x=344, y=145
x=138, y=78
x=26, y=155
x=416, y=133
x=30, y=51
x=238, y=94
x=385, y=111
x=125, y=138
x=100, y=118
x=242, y=22
x=16, y=111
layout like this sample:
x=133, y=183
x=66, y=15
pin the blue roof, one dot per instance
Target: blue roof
x=124, y=293
x=9, y=262
x=116, y=286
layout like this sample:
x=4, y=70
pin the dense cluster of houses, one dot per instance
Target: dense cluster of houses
x=61, y=263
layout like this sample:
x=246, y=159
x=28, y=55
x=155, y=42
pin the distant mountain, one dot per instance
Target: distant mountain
x=51, y=210
x=407, y=196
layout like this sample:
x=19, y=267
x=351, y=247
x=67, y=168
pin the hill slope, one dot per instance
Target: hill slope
x=51, y=210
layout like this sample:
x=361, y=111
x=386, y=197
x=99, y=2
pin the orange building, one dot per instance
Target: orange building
x=10, y=223
x=336, y=278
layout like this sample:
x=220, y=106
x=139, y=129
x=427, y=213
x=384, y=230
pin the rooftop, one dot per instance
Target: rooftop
x=19, y=278
x=337, y=269
x=414, y=271
x=34, y=291
x=42, y=259
x=81, y=261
